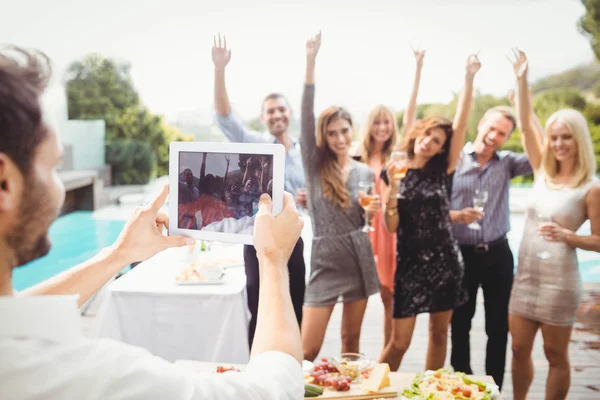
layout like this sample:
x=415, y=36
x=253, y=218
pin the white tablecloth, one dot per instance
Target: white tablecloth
x=205, y=322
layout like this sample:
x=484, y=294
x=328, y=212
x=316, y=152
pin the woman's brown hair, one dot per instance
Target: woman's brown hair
x=332, y=182
x=439, y=162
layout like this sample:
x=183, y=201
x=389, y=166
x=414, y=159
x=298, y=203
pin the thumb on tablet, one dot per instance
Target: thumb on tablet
x=177, y=241
x=265, y=204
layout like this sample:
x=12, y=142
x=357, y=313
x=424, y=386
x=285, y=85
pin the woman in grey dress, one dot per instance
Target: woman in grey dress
x=342, y=262
x=547, y=287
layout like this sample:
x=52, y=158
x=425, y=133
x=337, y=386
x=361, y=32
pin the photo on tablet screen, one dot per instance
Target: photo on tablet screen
x=219, y=192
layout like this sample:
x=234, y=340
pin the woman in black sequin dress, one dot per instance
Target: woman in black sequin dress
x=430, y=270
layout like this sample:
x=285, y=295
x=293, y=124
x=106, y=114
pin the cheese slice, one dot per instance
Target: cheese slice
x=378, y=379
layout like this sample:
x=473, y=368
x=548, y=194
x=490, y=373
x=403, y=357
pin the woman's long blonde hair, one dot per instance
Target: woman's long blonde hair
x=332, y=182
x=366, y=147
x=585, y=163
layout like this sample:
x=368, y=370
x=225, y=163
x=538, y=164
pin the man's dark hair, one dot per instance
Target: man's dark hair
x=24, y=75
x=275, y=96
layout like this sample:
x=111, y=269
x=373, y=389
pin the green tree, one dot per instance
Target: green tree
x=589, y=24
x=139, y=124
x=99, y=88
x=549, y=101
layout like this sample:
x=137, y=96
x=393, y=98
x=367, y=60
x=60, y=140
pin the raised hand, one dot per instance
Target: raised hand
x=264, y=162
x=228, y=159
x=312, y=46
x=220, y=54
x=419, y=56
x=520, y=64
x=473, y=64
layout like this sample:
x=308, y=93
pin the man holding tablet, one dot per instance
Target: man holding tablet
x=275, y=116
x=43, y=353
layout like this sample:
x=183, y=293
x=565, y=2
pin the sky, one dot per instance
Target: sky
x=365, y=57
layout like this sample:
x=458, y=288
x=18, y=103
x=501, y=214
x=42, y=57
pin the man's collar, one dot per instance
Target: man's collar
x=469, y=148
x=294, y=141
x=54, y=318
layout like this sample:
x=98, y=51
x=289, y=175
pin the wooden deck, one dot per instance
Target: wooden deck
x=584, y=349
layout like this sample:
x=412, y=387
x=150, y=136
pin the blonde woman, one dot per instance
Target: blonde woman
x=342, y=261
x=379, y=135
x=547, y=287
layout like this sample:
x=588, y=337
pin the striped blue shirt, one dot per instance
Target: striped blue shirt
x=235, y=130
x=494, y=177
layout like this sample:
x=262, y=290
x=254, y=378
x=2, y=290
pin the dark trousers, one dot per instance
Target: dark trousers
x=297, y=272
x=492, y=269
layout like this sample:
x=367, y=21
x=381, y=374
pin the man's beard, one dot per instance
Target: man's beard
x=29, y=237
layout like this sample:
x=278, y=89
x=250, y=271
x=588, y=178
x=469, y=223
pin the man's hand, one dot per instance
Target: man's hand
x=301, y=198
x=466, y=216
x=220, y=54
x=275, y=237
x=142, y=237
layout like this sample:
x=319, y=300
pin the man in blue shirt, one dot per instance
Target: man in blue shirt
x=276, y=115
x=487, y=256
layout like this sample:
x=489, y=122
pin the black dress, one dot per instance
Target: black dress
x=429, y=265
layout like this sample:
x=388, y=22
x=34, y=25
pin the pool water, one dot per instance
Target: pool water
x=75, y=237
x=78, y=236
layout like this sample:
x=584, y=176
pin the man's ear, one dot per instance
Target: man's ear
x=11, y=183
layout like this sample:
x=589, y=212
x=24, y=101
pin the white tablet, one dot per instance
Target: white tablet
x=214, y=188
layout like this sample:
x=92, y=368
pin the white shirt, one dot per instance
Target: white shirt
x=43, y=355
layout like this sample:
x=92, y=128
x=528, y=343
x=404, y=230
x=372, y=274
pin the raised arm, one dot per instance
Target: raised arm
x=233, y=128
x=529, y=134
x=202, y=171
x=459, y=125
x=308, y=141
x=221, y=56
x=539, y=128
x=410, y=114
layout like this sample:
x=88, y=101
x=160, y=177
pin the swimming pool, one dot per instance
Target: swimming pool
x=78, y=236
x=75, y=237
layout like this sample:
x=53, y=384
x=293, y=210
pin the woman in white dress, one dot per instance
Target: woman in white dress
x=547, y=287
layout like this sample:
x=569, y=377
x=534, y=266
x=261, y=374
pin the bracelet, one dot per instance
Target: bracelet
x=391, y=212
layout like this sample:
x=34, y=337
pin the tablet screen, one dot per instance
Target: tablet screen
x=219, y=192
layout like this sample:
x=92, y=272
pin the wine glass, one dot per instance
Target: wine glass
x=367, y=196
x=544, y=218
x=480, y=197
x=400, y=159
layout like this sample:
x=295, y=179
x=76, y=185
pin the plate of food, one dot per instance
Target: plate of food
x=198, y=275
x=446, y=385
x=347, y=377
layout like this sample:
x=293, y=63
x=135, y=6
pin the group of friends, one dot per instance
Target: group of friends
x=209, y=199
x=424, y=255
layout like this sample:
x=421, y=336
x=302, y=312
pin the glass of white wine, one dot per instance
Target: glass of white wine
x=480, y=197
x=544, y=218
x=367, y=196
x=400, y=159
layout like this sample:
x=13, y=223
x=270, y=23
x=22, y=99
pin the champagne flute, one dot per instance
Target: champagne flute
x=367, y=196
x=479, y=199
x=544, y=218
x=400, y=159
